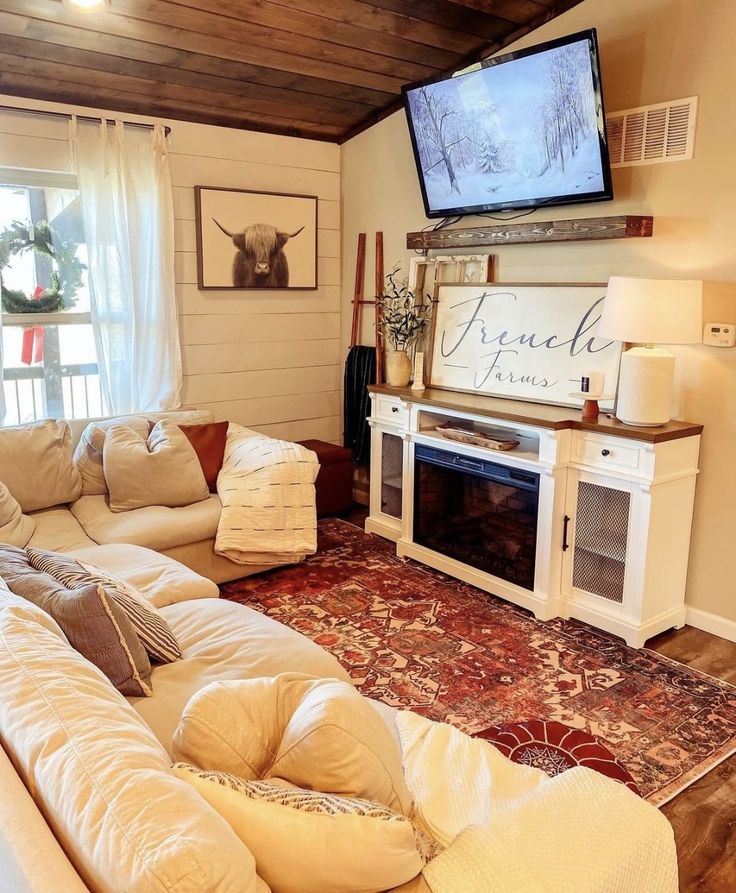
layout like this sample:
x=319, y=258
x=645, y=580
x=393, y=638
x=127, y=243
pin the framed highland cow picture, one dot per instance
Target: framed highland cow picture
x=255, y=240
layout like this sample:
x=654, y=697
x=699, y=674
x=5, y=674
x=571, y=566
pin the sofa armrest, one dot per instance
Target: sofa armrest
x=31, y=859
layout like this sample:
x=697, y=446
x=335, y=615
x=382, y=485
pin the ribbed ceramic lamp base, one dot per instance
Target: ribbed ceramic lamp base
x=645, y=386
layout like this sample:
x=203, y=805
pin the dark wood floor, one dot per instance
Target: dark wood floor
x=703, y=816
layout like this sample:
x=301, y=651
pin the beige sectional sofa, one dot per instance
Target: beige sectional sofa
x=186, y=534
x=90, y=801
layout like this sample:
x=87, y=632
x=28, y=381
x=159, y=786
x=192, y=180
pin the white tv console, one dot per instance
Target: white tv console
x=615, y=503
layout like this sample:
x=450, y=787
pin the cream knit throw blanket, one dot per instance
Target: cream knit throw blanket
x=511, y=829
x=266, y=487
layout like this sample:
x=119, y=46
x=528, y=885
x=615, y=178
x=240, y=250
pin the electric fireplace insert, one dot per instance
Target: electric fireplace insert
x=476, y=511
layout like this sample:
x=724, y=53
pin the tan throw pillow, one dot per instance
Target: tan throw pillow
x=15, y=527
x=36, y=464
x=103, y=781
x=163, y=470
x=150, y=625
x=310, y=842
x=95, y=625
x=88, y=454
x=320, y=734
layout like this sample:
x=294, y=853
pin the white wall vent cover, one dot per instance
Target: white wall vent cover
x=652, y=134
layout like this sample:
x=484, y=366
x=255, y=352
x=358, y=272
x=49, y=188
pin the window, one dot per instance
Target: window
x=49, y=359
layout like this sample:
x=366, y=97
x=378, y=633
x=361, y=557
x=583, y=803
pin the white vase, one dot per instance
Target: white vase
x=398, y=368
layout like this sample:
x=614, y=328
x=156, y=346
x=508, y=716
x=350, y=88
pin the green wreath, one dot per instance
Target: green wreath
x=66, y=277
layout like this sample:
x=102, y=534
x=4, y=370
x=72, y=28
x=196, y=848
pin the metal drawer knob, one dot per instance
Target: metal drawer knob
x=394, y=409
x=605, y=452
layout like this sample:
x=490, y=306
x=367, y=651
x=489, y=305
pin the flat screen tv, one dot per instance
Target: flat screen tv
x=524, y=130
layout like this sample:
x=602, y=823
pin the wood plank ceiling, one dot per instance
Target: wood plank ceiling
x=323, y=69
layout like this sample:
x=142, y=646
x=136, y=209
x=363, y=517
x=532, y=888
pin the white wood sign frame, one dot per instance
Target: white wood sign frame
x=520, y=340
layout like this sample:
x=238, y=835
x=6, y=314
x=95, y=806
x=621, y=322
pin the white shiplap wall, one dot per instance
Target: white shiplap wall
x=271, y=361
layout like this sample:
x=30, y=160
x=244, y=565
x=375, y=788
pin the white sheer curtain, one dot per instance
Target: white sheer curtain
x=127, y=209
x=2, y=386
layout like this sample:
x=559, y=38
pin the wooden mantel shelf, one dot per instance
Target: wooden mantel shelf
x=575, y=230
x=540, y=414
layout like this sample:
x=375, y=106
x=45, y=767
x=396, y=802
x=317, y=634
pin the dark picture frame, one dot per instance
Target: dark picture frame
x=250, y=239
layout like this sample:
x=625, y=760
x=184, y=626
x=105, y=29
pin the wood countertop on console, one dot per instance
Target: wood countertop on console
x=539, y=414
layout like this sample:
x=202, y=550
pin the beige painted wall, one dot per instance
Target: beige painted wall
x=268, y=360
x=651, y=51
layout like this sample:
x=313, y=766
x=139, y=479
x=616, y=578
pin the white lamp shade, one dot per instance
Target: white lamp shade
x=653, y=311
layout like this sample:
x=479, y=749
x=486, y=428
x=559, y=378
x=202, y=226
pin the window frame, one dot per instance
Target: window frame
x=44, y=179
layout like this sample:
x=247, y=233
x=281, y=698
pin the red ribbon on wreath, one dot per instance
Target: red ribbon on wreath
x=32, y=350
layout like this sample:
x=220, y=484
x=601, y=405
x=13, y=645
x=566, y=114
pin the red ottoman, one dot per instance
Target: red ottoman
x=335, y=478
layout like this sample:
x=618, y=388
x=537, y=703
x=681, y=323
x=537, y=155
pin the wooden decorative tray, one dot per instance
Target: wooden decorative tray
x=476, y=438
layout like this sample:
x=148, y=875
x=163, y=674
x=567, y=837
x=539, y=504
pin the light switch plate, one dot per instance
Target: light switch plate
x=720, y=334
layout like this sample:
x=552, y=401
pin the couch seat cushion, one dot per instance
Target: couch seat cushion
x=224, y=640
x=162, y=580
x=57, y=529
x=155, y=526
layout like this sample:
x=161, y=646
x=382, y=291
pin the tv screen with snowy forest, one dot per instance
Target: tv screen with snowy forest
x=525, y=130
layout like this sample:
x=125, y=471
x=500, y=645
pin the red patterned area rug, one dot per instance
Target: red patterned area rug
x=417, y=639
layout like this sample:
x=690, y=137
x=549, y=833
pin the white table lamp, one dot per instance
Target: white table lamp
x=649, y=312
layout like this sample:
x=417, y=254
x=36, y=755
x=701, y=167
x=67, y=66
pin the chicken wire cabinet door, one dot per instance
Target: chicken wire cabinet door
x=392, y=469
x=601, y=531
x=597, y=539
x=386, y=487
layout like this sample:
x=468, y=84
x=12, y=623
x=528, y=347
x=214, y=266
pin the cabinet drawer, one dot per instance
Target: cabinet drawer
x=390, y=409
x=612, y=453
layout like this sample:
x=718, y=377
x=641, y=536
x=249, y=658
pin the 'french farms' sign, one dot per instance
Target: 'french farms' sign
x=523, y=341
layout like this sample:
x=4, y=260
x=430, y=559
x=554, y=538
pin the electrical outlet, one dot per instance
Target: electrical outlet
x=720, y=334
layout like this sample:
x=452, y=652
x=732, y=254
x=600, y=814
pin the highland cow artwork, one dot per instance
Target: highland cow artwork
x=255, y=240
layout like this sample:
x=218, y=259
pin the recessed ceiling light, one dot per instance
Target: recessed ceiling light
x=87, y=5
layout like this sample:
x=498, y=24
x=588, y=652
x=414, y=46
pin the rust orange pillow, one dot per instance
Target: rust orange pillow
x=208, y=441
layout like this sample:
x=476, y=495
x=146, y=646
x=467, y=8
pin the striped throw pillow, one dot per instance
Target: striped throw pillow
x=153, y=631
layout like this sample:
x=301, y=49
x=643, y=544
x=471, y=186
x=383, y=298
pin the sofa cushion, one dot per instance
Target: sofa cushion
x=161, y=470
x=309, y=842
x=153, y=631
x=160, y=580
x=208, y=442
x=36, y=464
x=156, y=526
x=223, y=640
x=27, y=609
x=15, y=527
x=92, y=622
x=102, y=780
x=58, y=529
x=319, y=734
x=88, y=452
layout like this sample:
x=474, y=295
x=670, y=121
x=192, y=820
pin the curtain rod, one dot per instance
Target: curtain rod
x=68, y=116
